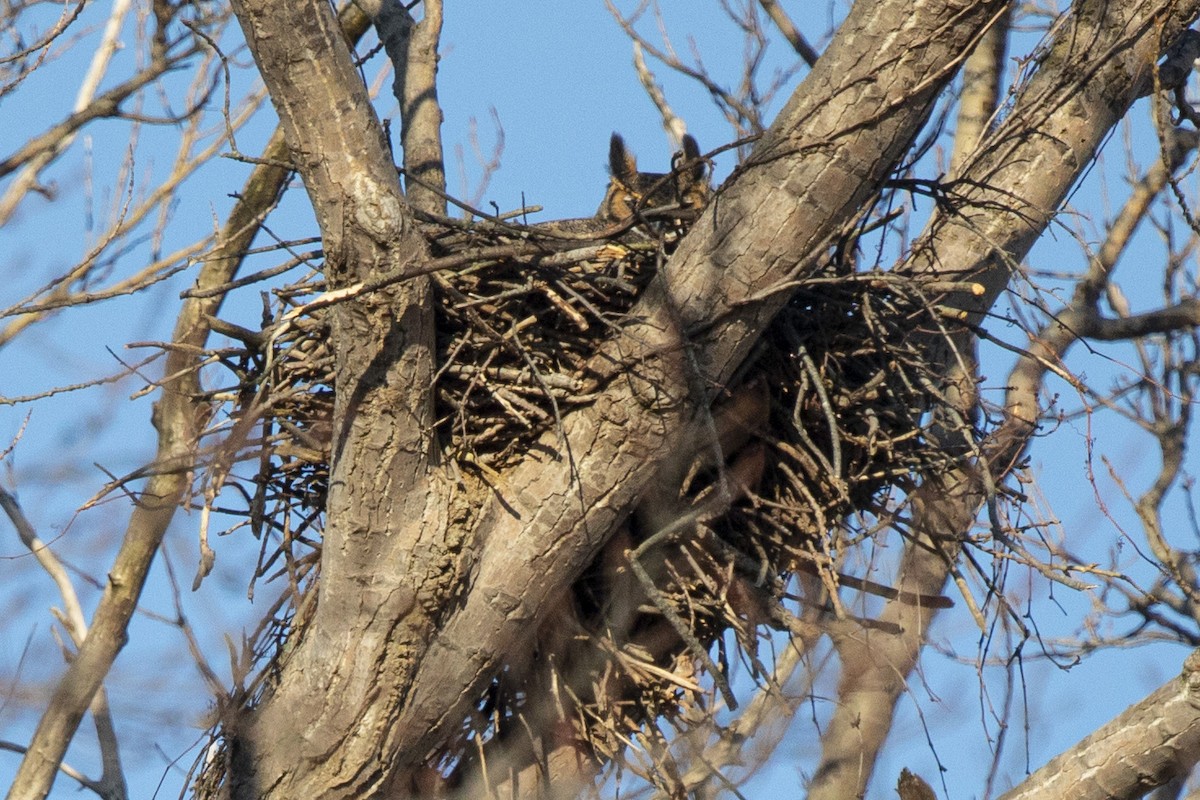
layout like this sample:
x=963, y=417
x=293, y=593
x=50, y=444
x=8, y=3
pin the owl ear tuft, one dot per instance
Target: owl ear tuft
x=622, y=164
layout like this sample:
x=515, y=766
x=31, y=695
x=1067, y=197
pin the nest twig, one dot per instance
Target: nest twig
x=517, y=322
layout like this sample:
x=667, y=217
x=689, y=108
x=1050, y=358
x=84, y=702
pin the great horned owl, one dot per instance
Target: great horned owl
x=632, y=193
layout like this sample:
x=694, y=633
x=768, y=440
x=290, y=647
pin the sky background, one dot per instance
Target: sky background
x=558, y=77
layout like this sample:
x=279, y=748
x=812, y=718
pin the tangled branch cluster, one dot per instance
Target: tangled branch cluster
x=829, y=411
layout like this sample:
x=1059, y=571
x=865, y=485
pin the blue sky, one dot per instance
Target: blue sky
x=559, y=78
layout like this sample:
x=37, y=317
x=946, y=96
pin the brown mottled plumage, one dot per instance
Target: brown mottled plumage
x=631, y=192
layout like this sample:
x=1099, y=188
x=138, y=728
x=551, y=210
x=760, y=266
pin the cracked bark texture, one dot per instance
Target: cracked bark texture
x=389, y=665
x=1011, y=187
x=1147, y=745
x=416, y=614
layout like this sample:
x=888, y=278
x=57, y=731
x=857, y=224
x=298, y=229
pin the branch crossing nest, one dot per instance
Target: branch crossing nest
x=838, y=392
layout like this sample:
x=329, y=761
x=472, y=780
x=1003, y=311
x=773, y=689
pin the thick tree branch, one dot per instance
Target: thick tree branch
x=1098, y=64
x=383, y=506
x=1148, y=745
x=1070, y=106
x=829, y=150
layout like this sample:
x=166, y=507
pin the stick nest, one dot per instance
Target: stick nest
x=827, y=415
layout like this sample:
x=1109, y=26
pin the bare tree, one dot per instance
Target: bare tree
x=532, y=488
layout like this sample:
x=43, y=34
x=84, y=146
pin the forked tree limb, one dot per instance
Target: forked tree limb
x=387, y=641
x=1014, y=183
x=832, y=146
x=177, y=418
x=415, y=644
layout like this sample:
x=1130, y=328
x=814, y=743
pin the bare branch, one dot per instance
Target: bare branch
x=412, y=47
x=178, y=419
x=1147, y=745
x=789, y=31
x=674, y=126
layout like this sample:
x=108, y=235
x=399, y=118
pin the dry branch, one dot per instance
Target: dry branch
x=561, y=513
x=1147, y=745
x=178, y=418
x=1010, y=194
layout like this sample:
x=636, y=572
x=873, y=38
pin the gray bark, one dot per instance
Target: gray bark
x=390, y=665
x=1149, y=744
x=418, y=609
x=1011, y=187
